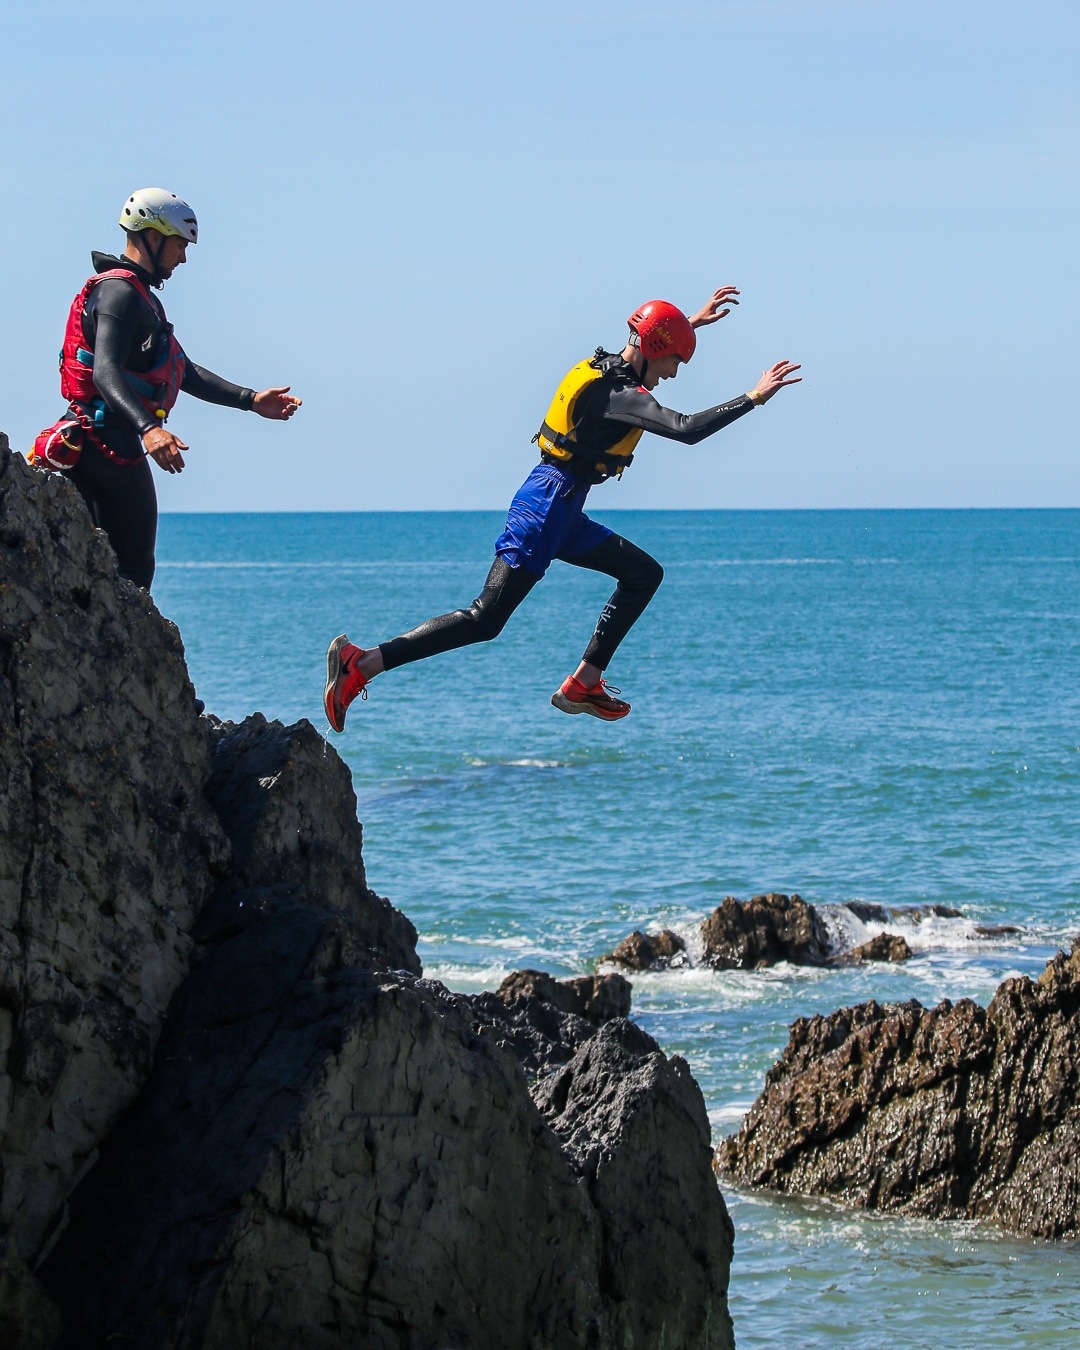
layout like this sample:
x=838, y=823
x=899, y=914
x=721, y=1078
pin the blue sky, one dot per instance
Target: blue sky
x=422, y=214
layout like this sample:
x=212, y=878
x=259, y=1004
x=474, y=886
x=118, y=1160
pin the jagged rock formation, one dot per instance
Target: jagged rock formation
x=324, y=1149
x=597, y=998
x=289, y=811
x=956, y=1111
x=647, y=951
x=633, y=1124
x=883, y=947
x=764, y=930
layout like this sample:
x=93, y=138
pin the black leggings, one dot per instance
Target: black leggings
x=122, y=502
x=638, y=576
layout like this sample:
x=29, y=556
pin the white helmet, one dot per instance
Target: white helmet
x=156, y=209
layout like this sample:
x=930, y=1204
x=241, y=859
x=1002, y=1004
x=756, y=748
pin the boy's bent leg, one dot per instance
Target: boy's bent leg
x=638, y=575
x=486, y=617
x=349, y=668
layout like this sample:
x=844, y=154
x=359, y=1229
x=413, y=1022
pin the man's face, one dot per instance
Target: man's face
x=173, y=254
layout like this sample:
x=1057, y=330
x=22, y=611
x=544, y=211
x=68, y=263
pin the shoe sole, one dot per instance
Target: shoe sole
x=560, y=701
x=333, y=670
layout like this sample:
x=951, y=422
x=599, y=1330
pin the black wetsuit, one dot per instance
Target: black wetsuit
x=556, y=491
x=124, y=333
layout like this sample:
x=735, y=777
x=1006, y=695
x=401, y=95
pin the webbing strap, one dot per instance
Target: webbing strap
x=140, y=385
x=558, y=439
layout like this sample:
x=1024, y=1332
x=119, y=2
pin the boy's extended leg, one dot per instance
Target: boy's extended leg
x=349, y=668
x=638, y=575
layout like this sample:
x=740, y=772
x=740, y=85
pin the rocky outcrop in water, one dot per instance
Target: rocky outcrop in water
x=884, y=947
x=233, y=1113
x=648, y=951
x=766, y=929
x=951, y=1112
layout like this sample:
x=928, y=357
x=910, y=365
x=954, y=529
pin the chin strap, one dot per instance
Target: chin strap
x=155, y=253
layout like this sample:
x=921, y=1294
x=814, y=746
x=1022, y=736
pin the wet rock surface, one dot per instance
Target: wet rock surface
x=234, y=1114
x=762, y=931
x=883, y=947
x=951, y=1112
x=648, y=951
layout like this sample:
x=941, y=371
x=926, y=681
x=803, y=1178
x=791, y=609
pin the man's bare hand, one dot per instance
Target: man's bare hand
x=164, y=448
x=718, y=307
x=277, y=404
x=776, y=377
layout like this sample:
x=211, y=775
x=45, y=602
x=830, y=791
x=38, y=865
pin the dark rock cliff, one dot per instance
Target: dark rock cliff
x=949, y=1112
x=232, y=1112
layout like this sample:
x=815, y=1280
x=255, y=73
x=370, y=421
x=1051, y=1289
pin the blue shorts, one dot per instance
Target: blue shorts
x=544, y=522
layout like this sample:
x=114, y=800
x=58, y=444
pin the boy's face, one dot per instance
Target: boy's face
x=661, y=368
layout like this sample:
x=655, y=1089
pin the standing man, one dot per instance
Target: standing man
x=595, y=421
x=121, y=370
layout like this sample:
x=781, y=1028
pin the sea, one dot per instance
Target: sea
x=851, y=705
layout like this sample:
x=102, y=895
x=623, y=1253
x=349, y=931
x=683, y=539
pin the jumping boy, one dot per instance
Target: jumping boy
x=595, y=421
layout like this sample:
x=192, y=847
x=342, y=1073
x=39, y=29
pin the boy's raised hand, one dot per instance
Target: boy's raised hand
x=717, y=307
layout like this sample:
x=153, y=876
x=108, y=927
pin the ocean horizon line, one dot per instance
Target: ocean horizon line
x=663, y=511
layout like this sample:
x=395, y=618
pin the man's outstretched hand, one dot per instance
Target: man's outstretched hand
x=277, y=404
x=776, y=377
x=164, y=448
x=717, y=307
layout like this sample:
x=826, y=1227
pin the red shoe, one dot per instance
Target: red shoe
x=575, y=697
x=343, y=680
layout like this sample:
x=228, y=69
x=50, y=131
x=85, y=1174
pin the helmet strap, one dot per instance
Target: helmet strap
x=155, y=253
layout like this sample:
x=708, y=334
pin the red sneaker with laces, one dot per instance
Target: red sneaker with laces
x=574, y=697
x=343, y=680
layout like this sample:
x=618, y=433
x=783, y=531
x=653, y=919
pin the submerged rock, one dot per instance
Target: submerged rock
x=919, y=913
x=883, y=947
x=647, y=951
x=867, y=912
x=952, y=1112
x=766, y=929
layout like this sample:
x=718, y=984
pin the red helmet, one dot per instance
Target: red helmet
x=663, y=330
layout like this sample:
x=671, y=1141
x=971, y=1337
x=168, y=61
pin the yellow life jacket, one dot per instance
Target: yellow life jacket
x=558, y=440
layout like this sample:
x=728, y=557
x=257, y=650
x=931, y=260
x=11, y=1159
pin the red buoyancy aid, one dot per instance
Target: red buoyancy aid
x=157, y=388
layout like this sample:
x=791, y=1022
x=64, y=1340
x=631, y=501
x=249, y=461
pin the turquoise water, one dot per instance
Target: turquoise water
x=874, y=705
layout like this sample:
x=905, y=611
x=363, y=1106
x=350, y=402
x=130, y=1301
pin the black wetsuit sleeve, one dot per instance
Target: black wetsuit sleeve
x=112, y=342
x=212, y=388
x=634, y=407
